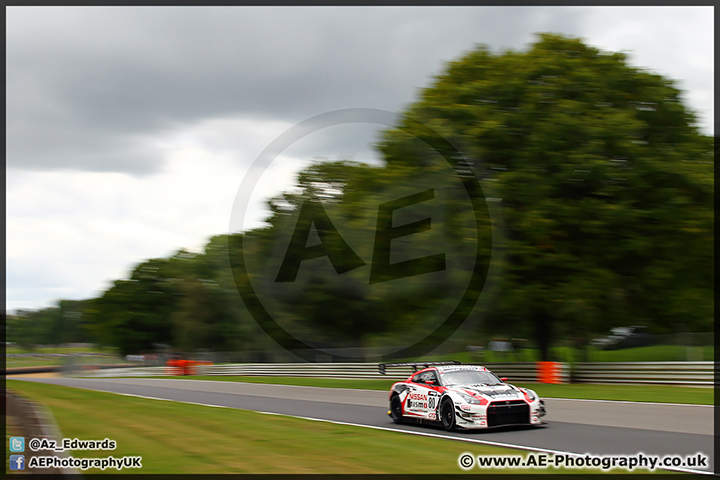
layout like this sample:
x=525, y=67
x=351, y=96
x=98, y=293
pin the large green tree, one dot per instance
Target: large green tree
x=188, y=300
x=49, y=326
x=606, y=186
x=135, y=313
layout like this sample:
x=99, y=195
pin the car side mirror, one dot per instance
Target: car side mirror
x=503, y=379
x=430, y=382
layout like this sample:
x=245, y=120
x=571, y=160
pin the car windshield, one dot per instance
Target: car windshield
x=469, y=377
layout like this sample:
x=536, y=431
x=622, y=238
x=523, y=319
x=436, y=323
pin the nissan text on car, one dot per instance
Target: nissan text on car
x=461, y=396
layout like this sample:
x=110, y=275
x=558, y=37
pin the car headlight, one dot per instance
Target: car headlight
x=470, y=399
x=531, y=395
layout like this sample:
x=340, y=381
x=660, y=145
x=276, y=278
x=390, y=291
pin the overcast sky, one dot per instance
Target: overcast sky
x=130, y=129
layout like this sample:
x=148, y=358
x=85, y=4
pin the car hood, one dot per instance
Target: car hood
x=490, y=392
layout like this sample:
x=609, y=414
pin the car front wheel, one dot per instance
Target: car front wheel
x=396, y=409
x=447, y=414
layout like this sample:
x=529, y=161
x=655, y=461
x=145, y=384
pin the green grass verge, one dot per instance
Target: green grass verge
x=176, y=438
x=654, y=353
x=11, y=430
x=59, y=349
x=47, y=361
x=632, y=393
x=55, y=361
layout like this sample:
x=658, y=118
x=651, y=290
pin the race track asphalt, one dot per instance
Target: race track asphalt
x=574, y=426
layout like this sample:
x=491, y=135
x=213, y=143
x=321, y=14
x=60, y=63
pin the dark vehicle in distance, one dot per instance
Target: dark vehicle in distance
x=624, y=337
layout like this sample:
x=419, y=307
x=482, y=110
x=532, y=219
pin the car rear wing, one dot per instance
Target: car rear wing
x=414, y=365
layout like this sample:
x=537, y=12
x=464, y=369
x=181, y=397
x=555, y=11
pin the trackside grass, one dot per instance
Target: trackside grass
x=632, y=393
x=47, y=356
x=653, y=353
x=176, y=438
x=11, y=430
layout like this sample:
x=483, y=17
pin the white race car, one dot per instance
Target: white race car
x=461, y=396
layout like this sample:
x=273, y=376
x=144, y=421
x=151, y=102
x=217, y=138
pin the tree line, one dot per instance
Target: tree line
x=602, y=214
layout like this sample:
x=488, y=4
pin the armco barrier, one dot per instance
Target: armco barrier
x=317, y=370
x=662, y=373
x=123, y=372
x=529, y=371
x=659, y=373
x=521, y=371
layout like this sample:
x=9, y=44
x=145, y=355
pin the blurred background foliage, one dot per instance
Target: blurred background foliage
x=602, y=190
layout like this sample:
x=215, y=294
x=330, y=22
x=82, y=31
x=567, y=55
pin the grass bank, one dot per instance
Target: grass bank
x=176, y=438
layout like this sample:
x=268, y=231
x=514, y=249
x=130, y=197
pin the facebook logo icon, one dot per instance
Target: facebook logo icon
x=17, y=462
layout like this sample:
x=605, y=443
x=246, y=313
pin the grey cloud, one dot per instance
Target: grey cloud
x=88, y=87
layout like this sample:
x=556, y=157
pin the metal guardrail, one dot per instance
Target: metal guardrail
x=520, y=371
x=123, y=372
x=524, y=371
x=660, y=373
x=316, y=370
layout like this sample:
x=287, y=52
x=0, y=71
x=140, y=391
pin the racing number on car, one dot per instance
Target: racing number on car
x=431, y=403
